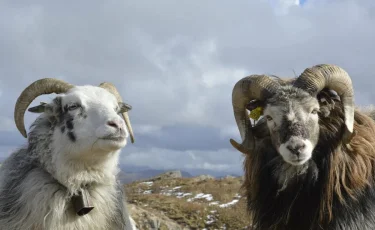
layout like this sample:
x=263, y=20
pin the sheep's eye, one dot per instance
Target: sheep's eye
x=73, y=107
x=269, y=118
x=315, y=111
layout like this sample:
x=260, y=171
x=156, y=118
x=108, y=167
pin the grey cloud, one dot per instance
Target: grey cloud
x=10, y=139
x=218, y=160
x=186, y=137
x=176, y=62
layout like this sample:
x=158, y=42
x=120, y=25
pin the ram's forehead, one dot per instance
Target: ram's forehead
x=90, y=93
x=287, y=94
x=290, y=98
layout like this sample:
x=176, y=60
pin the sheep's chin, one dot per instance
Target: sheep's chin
x=285, y=173
x=111, y=144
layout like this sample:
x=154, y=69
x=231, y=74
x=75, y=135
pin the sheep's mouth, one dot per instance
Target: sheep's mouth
x=298, y=161
x=113, y=138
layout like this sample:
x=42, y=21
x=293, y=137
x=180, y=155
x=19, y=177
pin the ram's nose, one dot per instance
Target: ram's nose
x=117, y=124
x=296, y=149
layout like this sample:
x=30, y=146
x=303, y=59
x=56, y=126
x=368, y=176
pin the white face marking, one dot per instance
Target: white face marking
x=275, y=112
x=291, y=150
x=290, y=116
x=296, y=150
x=102, y=121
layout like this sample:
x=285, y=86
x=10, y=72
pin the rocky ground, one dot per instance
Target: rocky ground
x=169, y=201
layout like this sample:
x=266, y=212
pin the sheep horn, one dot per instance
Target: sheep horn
x=111, y=88
x=254, y=87
x=37, y=88
x=321, y=76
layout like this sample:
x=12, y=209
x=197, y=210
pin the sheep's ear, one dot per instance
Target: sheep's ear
x=255, y=104
x=39, y=109
x=124, y=107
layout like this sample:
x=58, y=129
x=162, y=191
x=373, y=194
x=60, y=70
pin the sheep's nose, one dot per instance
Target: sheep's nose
x=296, y=149
x=114, y=123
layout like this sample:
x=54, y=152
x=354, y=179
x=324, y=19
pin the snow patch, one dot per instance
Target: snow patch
x=208, y=197
x=228, y=204
x=149, y=183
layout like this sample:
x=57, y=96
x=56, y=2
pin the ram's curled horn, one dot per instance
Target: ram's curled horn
x=322, y=76
x=35, y=89
x=111, y=88
x=254, y=87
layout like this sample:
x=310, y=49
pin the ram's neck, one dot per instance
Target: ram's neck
x=74, y=173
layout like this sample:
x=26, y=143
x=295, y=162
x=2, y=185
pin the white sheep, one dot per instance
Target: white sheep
x=64, y=178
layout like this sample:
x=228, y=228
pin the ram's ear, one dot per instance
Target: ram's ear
x=254, y=104
x=124, y=107
x=43, y=107
x=327, y=99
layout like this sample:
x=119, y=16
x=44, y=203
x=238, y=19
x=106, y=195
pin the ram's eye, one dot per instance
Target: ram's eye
x=73, y=107
x=269, y=118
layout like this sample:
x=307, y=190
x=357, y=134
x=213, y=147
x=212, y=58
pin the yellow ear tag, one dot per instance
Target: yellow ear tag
x=256, y=113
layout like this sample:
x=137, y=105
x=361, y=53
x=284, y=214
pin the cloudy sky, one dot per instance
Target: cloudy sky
x=176, y=62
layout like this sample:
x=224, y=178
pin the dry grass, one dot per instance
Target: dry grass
x=162, y=196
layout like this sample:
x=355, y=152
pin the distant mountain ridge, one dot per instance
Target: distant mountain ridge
x=127, y=177
x=131, y=173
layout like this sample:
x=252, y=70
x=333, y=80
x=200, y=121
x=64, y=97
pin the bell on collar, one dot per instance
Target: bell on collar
x=82, y=203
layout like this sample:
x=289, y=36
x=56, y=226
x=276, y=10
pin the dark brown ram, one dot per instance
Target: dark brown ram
x=309, y=162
